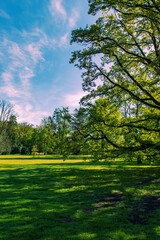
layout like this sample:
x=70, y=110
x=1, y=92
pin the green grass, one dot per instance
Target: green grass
x=45, y=199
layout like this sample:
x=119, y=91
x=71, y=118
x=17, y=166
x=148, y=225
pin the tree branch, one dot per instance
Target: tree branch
x=128, y=91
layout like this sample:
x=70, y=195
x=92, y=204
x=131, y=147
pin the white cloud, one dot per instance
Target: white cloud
x=63, y=40
x=25, y=76
x=12, y=89
x=3, y=14
x=19, y=65
x=74, y=17
x=28, y=113
x=14, y=64
x=16, y=57
x=73, y=100
x=15, y=50
x=7, y=77
x=56, y=8
x=9, y=88
x=20, y=60
x=35, y=52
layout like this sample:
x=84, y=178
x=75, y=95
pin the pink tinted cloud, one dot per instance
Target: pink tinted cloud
x=13, y=90
x=34, y=51
x=56, y=8
x=73, y=100
x=28, y=113
x=9, y=88
x=63, y=40
x=74, y=17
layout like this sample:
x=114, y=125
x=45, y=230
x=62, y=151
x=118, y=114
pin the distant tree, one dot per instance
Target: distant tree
x=7, y=127
x=5, y=143
x=34, y=150
x=61, y=124
x=6, y=112
x=12, y=133
x=44, y=137
x=26, y=136
x=55, y=132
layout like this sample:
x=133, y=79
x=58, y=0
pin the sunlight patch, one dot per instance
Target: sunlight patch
x=87, y=235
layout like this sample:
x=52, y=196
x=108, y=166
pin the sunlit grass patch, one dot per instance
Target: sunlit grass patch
x=42, y=159
x=78, y=200
x=87, y=235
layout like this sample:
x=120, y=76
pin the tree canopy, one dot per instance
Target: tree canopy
x=122, y=51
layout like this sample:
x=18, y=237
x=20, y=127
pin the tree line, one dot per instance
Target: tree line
x=57, y=134
x=120, y=63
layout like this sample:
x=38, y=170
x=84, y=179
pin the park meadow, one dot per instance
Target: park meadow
x=90, y=169
x=44, y=197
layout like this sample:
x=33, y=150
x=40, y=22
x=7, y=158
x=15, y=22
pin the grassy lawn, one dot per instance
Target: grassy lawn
x=45, y=199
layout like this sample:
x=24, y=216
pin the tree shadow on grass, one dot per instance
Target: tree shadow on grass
x=50, y=203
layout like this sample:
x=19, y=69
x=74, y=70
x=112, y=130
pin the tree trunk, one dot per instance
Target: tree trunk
x=139, y=160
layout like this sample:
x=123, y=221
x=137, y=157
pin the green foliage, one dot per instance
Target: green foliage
x=26, y=137
x=5, y=144
x=43, y=138
x=34, y=150
x=96, y=128
x=57, y=131
x=122, y=50
x=8, y=126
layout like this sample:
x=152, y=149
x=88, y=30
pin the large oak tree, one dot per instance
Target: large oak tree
x=122, y=49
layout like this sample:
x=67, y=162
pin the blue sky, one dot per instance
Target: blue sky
x=35, y=74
